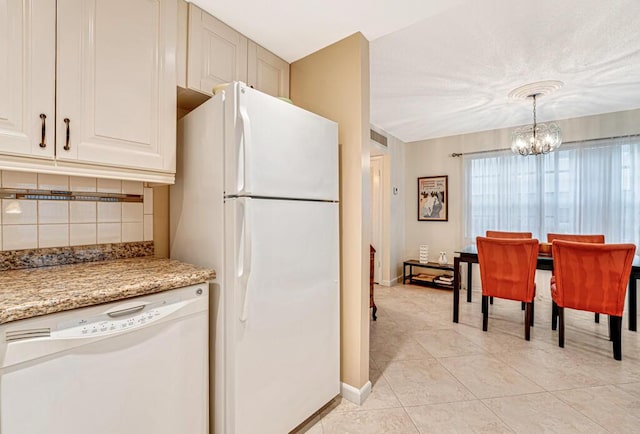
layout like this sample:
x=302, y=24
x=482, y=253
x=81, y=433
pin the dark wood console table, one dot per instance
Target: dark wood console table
x=411, y=263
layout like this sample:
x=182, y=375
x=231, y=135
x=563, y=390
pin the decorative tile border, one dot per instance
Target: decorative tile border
x=27, y=194
x=34, y=258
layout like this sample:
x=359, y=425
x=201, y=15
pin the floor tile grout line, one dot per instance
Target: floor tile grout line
x=525, y=394
x=395, y=395
x=418, y=430
x=390, y=388
x=405, y=407
x=498, y=416
x=435, y=359
x=457, y=379
x=578, y=410
x=528, y=377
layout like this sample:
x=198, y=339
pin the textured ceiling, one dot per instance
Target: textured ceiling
x=445, y=67
x=293, y=29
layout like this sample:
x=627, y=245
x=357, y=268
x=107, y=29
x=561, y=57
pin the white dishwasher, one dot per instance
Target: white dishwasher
x=135, y=366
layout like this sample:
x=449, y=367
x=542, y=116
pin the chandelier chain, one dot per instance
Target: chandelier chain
x=534, y=109
x=535, y=123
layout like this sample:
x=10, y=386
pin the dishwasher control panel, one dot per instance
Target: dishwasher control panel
x=111, y=325
x=118, y=320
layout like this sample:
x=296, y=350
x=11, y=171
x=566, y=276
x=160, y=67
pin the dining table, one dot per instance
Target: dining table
x=469, y=255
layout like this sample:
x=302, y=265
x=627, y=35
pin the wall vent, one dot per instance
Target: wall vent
x=378, y=138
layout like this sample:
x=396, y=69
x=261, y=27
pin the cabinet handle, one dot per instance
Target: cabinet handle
x=129, y=311
x=43, y=141
x=66, y=145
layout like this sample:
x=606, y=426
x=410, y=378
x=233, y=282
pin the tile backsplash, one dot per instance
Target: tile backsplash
x=28, y=224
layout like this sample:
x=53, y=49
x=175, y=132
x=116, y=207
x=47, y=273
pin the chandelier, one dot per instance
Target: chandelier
x=537, y=138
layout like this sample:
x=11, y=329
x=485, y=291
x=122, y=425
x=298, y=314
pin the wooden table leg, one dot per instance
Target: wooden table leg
x=469, y=269
x=456, y=287
x=372, y=303
x=404, y=273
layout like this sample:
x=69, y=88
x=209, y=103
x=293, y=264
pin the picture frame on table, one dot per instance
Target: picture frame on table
x=433, y=198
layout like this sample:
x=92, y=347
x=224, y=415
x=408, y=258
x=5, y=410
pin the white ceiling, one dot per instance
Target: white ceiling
x=445, y=67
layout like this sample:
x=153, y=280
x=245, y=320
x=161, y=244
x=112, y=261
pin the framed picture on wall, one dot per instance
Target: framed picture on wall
x=433, y=199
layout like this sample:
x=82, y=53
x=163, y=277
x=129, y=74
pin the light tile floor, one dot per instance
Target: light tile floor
x=430, y=375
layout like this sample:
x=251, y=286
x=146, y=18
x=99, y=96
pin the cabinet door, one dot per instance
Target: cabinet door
x=116, y=82
x=267, y=72
x=217, y=54
x=27, y=77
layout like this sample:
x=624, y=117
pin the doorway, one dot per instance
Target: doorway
x=376, y=215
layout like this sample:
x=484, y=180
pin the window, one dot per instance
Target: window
x=582, y=188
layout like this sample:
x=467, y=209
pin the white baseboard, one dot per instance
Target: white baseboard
x=391, y=282
x=357, y=396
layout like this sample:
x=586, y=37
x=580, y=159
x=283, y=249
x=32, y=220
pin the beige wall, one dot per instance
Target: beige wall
x=334, y=82
x=431, y=157
x=161, y=221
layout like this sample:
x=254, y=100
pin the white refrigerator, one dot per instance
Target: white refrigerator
x=256, y=199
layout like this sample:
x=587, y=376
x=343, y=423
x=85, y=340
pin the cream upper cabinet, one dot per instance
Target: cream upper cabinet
x=267, y=72
x=27, y=78
x=116, y=82
x=216, y=53
x=211, y=53
x=88, y=87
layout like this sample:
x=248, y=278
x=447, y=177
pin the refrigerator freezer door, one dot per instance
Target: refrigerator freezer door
x=276, y=149
x=283, y=343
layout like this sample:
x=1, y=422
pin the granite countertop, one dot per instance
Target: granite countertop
x=39, y=291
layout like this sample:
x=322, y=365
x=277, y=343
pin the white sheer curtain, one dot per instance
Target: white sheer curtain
x=583, y=188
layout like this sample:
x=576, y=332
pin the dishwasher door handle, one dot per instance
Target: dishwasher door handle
x=128, y=311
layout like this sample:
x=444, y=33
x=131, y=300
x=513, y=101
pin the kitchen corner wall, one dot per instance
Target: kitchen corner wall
x=27, y=224
x=161, y=221
x=334, y=82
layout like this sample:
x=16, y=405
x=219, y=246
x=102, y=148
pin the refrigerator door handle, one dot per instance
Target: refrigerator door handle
x=243, y=166
x=246, y=257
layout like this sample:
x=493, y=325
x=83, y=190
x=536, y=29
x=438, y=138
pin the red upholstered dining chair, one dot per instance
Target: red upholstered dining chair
x=502, y=234
x=595, y=238
x=514, y=235
x=579, y=238
x=507, y=270
x=592, y=277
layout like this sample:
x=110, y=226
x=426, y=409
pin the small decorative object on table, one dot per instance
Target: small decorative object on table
x=424, y=253
x=442, y=260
